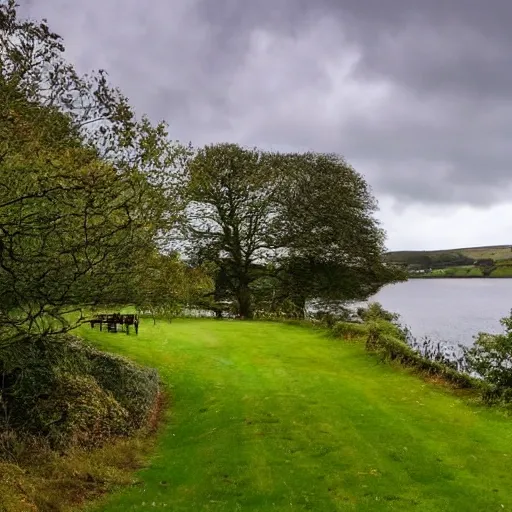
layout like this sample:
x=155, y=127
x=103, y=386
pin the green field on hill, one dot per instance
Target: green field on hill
x=267, y=416
x=488, y=261
x=495, y=252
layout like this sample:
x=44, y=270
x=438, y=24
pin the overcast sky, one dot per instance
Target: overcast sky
x=416, y=94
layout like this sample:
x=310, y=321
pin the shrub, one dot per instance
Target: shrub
x=80, y=413
x=394, y=349
x=491, y=358
x=58, y=389
x=375, y=311
x=349, y=330
x=134, y=387
x=330, y=318
x=388, y=328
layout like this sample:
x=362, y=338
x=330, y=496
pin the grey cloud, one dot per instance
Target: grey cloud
x=424, y=109
x=440, y=45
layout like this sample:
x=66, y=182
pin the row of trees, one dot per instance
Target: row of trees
x=282, y=229
x=99, y=207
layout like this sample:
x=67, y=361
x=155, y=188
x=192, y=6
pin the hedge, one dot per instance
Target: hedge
x=349, y=330
x=392, y=348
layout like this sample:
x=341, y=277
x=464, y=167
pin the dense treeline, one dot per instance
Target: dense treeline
x=425, y=259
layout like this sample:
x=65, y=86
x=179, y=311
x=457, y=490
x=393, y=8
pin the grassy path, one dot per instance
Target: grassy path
x=270, y=417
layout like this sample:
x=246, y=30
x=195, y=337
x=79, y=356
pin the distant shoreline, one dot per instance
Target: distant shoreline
x=458, y=277
x=494, y=262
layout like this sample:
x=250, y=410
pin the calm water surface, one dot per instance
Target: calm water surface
x=449, y=310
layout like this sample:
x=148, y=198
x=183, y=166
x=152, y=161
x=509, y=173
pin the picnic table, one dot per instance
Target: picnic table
x=114, y=319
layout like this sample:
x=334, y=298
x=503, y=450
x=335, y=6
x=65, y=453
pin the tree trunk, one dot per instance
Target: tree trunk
x=244, y=302
x=300, y=307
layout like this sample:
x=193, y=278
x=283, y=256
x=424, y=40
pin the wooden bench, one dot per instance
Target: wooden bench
x=115, y=319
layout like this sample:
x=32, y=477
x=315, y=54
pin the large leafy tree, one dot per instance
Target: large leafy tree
x=284, y=228
x=71, y=227
x=231, y=216
x=333, y=243
x=85, y=187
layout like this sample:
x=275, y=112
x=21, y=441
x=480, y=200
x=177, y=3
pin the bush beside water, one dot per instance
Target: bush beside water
x=485, y=367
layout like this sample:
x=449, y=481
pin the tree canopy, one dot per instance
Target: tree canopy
x=86, y=188
x=293, y=226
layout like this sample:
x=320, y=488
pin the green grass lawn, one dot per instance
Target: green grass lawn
x=272, y=417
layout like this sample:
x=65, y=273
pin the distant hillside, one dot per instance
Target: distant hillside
x=494, y=252
x=488, y=261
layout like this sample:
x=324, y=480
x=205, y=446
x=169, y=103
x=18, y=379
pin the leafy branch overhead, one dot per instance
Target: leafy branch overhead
x=87, y=190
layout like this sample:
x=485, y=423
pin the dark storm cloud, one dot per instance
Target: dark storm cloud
x=417, y=94
x=436, y=45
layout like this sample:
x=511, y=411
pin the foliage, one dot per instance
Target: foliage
x=85, y=187
x=503, y=263
x=430, y=259
x=374, y=312
x=349, y=330
x=329, y=317
x=72, y=228
x=491, y=358
x=70, y=394
x=486, y=366
x=502, y=271
x=333, y=243
x=166, y=284
x=48, y=480
x=230, y=216
x=283, y=228
x=33, y=64
x=384, y=334
x=391, y=347
x=134, y=388
x=440, y=352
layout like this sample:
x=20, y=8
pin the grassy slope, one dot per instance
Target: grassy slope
x=467, y=271
x=495, y=252
x=276, y=417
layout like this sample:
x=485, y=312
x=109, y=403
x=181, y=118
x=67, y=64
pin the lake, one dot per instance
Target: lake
x=449, y=310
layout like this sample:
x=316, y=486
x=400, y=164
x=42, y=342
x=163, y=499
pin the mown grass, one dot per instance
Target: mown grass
x=268, y=416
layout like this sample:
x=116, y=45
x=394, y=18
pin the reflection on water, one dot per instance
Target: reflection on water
x=449, y=310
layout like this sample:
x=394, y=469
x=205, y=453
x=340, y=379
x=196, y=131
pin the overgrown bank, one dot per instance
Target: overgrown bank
x=485, y=367
x=60, y=398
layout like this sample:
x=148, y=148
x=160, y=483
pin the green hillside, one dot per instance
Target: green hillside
x=486, y=261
